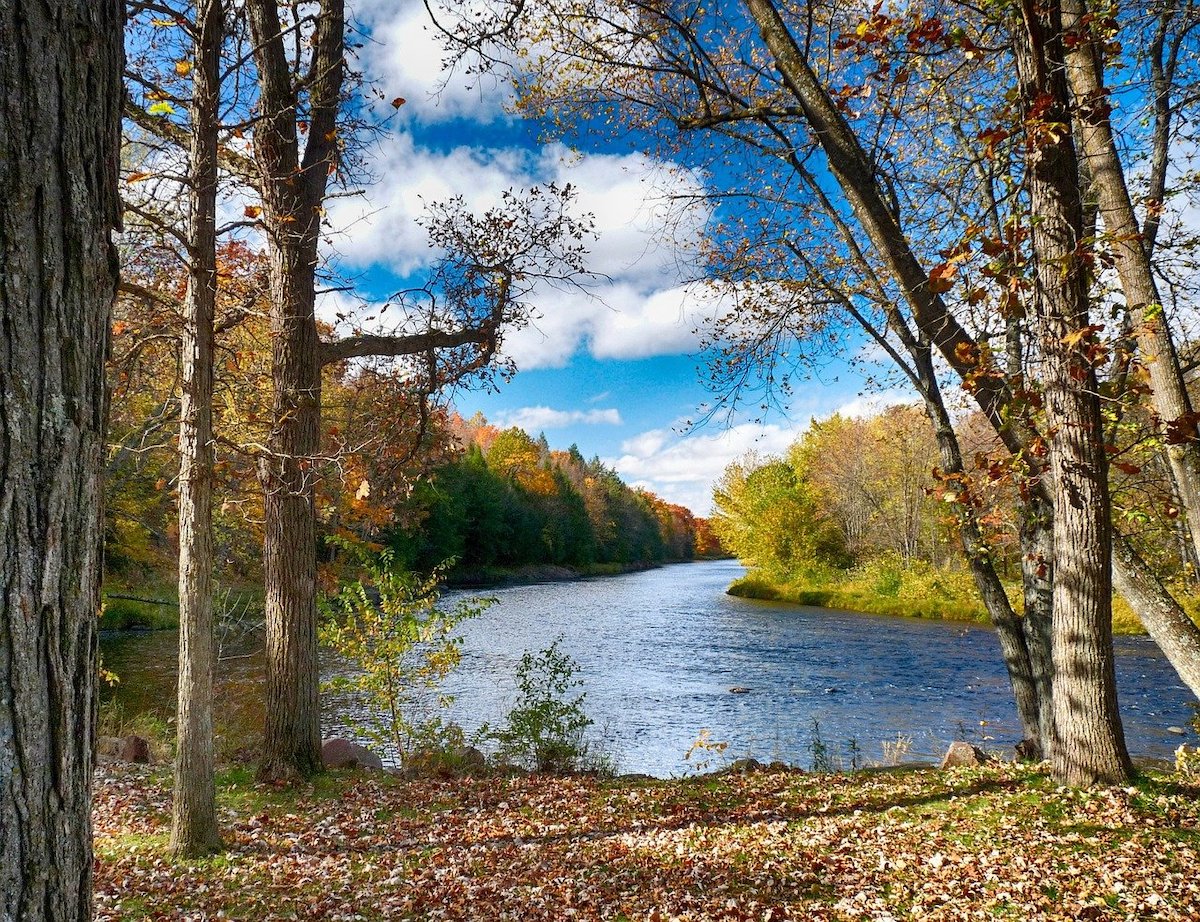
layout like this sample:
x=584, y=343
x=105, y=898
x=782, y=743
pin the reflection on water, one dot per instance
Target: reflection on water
x=658, y=652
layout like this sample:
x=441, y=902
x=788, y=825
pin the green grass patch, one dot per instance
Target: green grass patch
x=151, y=608
x=917, y=591
x=856, y=597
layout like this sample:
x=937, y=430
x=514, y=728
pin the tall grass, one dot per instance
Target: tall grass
x=914, y=589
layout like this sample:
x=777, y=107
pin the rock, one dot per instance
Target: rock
x=470, y=761
x=744, y=766
x=962, y=754
x=108, y=746
x=832, y=690
x=738, y=689
x=1178, y=731
x=341, y=753
x=133, y=748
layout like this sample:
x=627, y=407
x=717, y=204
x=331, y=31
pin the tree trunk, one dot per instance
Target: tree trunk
x=850, y=166
x=1132, y=261
x=1088, y=742
x=194, y=818
x=1028, y=692
x=1036, y=535
x=60, y=98
x=292, y=744
x=293, y=192
x=1162, y=617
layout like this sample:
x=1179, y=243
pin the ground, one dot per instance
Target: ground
x=996, y=843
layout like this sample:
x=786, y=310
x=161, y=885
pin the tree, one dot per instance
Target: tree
x=1132, y=246
x=194, y=814
x=60, y=98
x=456, y=323
x=768, y=517
x=1088, y=743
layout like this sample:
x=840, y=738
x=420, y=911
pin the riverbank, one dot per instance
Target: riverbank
x=999, y=842
x=533, y=574
x=954, y=599
x=154, y=606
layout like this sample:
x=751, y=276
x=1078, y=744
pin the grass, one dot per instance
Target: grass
x=152, y=604
x=127, y=608
x=916, y=592
x=998, y=842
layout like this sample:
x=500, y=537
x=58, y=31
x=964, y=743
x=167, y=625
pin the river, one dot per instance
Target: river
x=658, y=652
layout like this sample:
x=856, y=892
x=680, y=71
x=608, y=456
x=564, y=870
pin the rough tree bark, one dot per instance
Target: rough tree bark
x=60, y=98
x=1089, y=744
x=194, y=817
x=1166, y=622
x=293, y=185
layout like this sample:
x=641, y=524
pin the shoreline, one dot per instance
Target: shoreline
x=756, y=587
x=533, y=574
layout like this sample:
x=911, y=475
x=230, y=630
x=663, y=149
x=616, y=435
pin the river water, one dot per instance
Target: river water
x=658, y=652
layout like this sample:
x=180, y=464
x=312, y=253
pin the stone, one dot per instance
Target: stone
x=470, y=761
x=108, y=746
x=133, y=748
x=744, y=766
x=341, y=753
x=738, y=689
x=1178, y=731
x=962, y=754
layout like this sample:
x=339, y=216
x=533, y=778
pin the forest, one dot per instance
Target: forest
x=858, y=515
x=450, y=494
x=988, y=208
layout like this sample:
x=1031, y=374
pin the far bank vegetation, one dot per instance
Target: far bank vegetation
x=857, y=515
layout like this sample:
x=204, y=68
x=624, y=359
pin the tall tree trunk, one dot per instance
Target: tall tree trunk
x=194, y=818
x=1089, y=744
x=1132, y=260
x=1176, y=634
x=60, y=98
x=1031, y=687
x=292, y=745
x=293, y=189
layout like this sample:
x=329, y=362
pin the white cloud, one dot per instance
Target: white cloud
x=380, y=226
x=637, y=307
x=683, y=468
x=867, y=405
x=534, y=419
x=404, y=57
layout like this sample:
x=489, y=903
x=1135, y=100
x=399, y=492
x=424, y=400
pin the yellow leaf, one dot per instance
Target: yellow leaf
x=363, y=491
x=183, y=68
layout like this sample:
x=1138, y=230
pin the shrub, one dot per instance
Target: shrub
x=545, y=728
x=402, y=646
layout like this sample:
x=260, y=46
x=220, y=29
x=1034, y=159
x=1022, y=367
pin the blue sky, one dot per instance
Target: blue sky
x=614, y=373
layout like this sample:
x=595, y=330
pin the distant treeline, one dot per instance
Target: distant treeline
x=509, y=500
x=432, y=485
